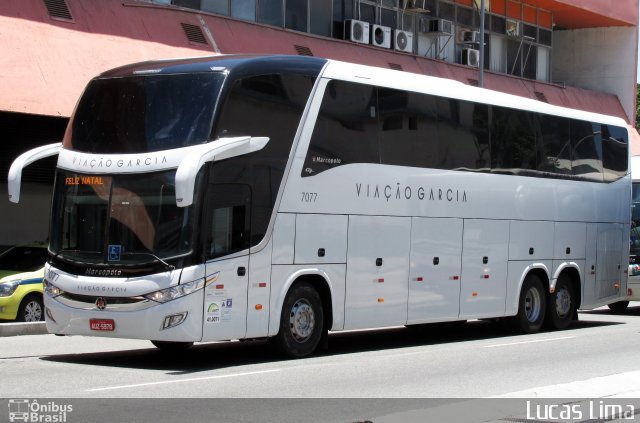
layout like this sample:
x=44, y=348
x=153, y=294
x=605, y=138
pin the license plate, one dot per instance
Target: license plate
x=102, y=324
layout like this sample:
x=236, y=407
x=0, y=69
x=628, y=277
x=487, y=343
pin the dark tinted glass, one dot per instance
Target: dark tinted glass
x=191, y=4
x=614, y=152
x=270, y=12
x=367, y=13
x=586, y=150
x=498, y=24
x=342, y=10
x=554, y=145
x=447, y=11
x=514, y=57
x=228, y=219
x=24, y=259
x=529, y=60
x=471, y=150
x=320, y=18
x=513, y=141
x=215, y=6
x=530, y=31
x=270, y=106
x=145, y=113
x=409, y=132
x=464, y=16
x=389, y=17
x=346, y=130
x=296, y=15
x=544, y=37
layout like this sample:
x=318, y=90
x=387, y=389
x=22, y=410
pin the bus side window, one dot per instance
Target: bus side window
x=586, y=150
x=228, y=219
x=614, y=152
x=555, y=145
x=346, y=130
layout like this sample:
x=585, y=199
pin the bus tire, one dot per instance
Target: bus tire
x=169, y=346
x=619, y=307
x=561, y=305
x=301, y=322
x=531, y=306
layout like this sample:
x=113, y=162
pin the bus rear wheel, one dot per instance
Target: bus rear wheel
x=561, y=305
x=531, y=306
x=301, y=322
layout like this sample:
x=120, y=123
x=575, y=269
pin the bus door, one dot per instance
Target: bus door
x=226, y=227
x=610, y=262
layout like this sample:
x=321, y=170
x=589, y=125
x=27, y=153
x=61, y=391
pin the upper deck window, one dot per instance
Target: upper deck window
x=145, y=113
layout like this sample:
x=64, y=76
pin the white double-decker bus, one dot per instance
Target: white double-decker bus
x=245, y=197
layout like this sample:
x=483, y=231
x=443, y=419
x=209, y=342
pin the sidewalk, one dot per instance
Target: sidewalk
x=16, y=329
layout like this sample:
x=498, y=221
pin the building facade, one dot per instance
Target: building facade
x=574, y=53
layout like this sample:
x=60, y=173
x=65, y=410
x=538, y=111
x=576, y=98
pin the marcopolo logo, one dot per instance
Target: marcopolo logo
x=22, y=410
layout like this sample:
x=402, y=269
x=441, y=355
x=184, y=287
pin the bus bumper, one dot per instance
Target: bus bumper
x=149, y=324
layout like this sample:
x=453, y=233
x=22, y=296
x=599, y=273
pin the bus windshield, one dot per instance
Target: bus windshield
x=119, y=219
x=144, y=113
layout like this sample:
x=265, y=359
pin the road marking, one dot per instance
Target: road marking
x=528, y=342
x=195, y=379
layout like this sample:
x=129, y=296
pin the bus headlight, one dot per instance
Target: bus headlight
x=8, y=288
x=52, y=290
x=177, y=291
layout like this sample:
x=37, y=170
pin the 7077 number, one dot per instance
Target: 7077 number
x=309, y=197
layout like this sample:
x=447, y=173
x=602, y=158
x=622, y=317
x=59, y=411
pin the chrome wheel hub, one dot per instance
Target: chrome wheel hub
x=532, y=305
x=302, y=320
x=563, y=302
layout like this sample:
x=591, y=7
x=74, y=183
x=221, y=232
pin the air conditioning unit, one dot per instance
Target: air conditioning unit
x=439, y=26
x=381, y=36
x=403, y=41
x=356, y=31
x=469, y=37
x=512, y=28
x=471, y=57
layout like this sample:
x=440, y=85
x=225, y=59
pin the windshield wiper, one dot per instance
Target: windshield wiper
x=158, y=259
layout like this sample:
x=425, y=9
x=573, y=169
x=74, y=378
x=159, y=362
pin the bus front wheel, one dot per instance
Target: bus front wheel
x=531, y=306
x=301, y=322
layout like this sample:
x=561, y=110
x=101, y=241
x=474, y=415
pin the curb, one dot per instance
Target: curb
x=16, y=329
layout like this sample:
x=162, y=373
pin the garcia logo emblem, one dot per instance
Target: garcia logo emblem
x=101, y=303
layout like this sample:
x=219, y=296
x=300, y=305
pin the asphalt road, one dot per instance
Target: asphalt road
x=596, y=357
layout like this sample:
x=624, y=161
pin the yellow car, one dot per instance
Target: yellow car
x=21, y=274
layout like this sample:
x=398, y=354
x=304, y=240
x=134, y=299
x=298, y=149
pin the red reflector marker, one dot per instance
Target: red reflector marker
x=485, y=276
x=419, y=279
x=262, y=284
x=380, y=280
x=219, y=286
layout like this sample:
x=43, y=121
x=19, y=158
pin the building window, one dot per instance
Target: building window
x=320, y=14
x=296, y=15
x=270, y=12
x=244, y=9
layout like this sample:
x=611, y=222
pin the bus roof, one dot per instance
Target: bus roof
x=238, y=64
x=454, y=89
